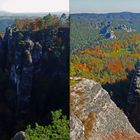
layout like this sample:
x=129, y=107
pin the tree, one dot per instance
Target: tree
x=48, y=19
x=63, y=19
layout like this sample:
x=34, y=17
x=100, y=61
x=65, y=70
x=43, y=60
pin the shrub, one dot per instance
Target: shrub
x=58, y=129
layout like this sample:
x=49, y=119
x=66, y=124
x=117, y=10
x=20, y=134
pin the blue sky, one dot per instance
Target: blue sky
x=21, y=6
x=104, y=6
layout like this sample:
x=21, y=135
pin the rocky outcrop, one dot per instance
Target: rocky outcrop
x=34, y=69
x=133, y=107
x=125, y=28
x=33, y=54
x=19, y=136
x=21, y=72
x=107, y=31
x=110, y=35
x=94, y=116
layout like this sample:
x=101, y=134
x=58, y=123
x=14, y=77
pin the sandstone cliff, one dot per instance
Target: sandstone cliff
x=94, y=116
x=30, y=56
x=34, y=69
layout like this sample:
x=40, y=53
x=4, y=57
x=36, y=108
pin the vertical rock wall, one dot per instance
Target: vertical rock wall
x=31, y=54
x=133, y=107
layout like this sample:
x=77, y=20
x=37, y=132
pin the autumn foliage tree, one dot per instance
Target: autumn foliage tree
x=115, y=67
x=41, y=23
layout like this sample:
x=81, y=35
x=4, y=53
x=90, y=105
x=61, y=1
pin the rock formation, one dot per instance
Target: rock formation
x=125, y=28
x=107, y=31
x=34, y=69
x=32, y=54
x=94, y=116
x=133, y=107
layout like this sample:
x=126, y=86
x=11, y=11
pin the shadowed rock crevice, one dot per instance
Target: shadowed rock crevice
x=133, y=106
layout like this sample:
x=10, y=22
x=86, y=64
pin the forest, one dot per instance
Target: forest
x=105, y=48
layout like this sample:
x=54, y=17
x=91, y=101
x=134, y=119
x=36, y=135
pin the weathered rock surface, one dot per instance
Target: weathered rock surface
x=94, y=116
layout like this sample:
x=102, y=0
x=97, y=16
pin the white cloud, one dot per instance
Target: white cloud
x=36, y=5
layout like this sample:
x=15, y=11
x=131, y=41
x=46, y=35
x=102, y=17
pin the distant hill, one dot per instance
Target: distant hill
x=124, y=15
x=86, y=27
x=39, y=14
x=123, y=18
x=4, y=13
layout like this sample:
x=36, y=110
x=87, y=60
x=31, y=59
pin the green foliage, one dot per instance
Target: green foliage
x=72, y=70
x=118, y=53
x=95, y=57
x=107, y=61
x=82, y=34
x=85, y=28
x=58, y=130
x=41, y=23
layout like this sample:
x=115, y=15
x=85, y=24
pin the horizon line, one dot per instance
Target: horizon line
x=113, y=12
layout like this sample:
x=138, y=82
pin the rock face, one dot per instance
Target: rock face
x=1, y=51
x=133, y=107
x=107, y=31
x=125, y=28
x=34, y=68
x=0, y=41
x=94, y=116
x=33, y=54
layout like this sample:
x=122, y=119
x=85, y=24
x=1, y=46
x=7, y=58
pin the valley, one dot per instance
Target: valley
x=105, y=48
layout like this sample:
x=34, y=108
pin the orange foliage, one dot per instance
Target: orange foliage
x=83, y=67
x=97, y=51
x=115, y=67
x=39, y=24
x=91, y=61
x=86, y=51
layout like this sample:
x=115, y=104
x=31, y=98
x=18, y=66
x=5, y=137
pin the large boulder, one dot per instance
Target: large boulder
x=94, y=116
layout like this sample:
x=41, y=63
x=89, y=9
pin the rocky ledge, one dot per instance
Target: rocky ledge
x=94, y=116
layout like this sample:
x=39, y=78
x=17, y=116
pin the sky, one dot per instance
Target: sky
x=104, y=6
x=33, y=6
